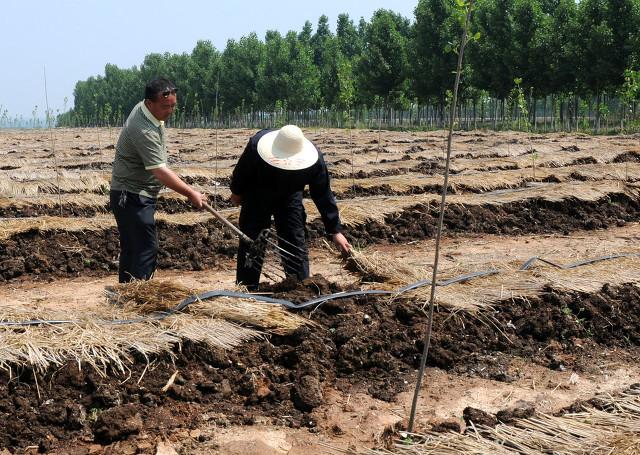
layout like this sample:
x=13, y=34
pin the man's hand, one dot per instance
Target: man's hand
x=171, y=180
x=236, y=199
x=342, y=243
x=197, y=199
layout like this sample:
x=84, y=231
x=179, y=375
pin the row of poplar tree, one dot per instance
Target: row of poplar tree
x=544, y=47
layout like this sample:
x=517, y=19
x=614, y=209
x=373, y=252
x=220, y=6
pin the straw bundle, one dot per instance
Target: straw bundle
x=390, y=272
x=99, y=340
x=102, y=345
x=149, y=296
x=159, y=295
x=272, y=318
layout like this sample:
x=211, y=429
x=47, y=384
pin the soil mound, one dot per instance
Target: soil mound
x=361, y=343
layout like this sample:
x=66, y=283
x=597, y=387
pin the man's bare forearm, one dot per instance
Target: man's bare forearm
x=171, y=180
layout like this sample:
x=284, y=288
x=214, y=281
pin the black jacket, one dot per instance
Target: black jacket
x=255, y=178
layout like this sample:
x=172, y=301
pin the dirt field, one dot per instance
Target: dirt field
x=519, y=338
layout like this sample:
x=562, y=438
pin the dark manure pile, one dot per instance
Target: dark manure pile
x=532, y=216
x=68, y=210
x=362, y=343
x=200, y=247
x=58, y=253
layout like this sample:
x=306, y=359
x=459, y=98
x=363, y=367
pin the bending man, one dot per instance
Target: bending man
x=268, y=180
x=139, y=173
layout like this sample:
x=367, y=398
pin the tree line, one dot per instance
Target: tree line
x=524, y=53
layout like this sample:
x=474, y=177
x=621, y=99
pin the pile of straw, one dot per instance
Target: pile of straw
x=111, y=345
x=101, y=339
x=387, y=271
x=163, y=295
x=149, y=296
x=485, y=291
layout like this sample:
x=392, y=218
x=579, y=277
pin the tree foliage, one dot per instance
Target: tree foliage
x=552, y=47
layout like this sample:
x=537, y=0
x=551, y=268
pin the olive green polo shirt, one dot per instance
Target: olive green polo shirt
x=140, y=149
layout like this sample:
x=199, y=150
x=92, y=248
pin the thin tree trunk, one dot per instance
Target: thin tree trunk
x=597, y=112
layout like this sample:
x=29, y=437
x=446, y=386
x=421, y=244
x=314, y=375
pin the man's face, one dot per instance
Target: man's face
x=163, y=105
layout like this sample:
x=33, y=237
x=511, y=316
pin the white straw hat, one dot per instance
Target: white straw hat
x=287, y=148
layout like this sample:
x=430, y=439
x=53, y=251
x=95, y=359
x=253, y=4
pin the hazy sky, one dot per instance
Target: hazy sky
x=74, y=39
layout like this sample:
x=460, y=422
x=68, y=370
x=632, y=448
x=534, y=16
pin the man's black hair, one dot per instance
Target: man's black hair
x=156, y=86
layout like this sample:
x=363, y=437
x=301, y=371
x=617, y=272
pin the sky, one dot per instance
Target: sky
x=63, y=41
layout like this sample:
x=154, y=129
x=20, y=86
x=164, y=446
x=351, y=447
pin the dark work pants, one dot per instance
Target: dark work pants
x=137, y=228
x=289, y=217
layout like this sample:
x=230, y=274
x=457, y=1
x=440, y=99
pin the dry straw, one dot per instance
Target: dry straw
x=592, y=432
x=387, y=271
x=38, y=182
x=111, y=345
x=163, y=295
x=477, y=181
x=516, y=158
x=88, y=190
x=149, y=296
x=98, y=202
x=101, y=340
x=508, y=283
x=361, y=210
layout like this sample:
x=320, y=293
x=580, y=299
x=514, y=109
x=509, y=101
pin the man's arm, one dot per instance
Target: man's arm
x=171, y=180
x=341, y=243
x=236, y=199
x=322, y=196
x=242, y=175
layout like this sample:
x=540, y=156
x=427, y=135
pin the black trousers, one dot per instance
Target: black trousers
x=290, y=218
x=138, y=241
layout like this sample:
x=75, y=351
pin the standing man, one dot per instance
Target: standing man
x=269, y=179
x=139, y=173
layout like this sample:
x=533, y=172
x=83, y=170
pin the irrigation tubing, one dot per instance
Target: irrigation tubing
x=313, y=302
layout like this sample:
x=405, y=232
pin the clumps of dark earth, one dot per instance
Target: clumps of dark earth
x=44, y=254
x=358, y=344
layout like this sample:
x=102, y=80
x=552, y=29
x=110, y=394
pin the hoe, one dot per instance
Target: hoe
x=259, y=246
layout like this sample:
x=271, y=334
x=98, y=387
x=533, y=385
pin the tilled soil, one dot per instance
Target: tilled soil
x=363, y=345
x=198, y=247
x=356, y=343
